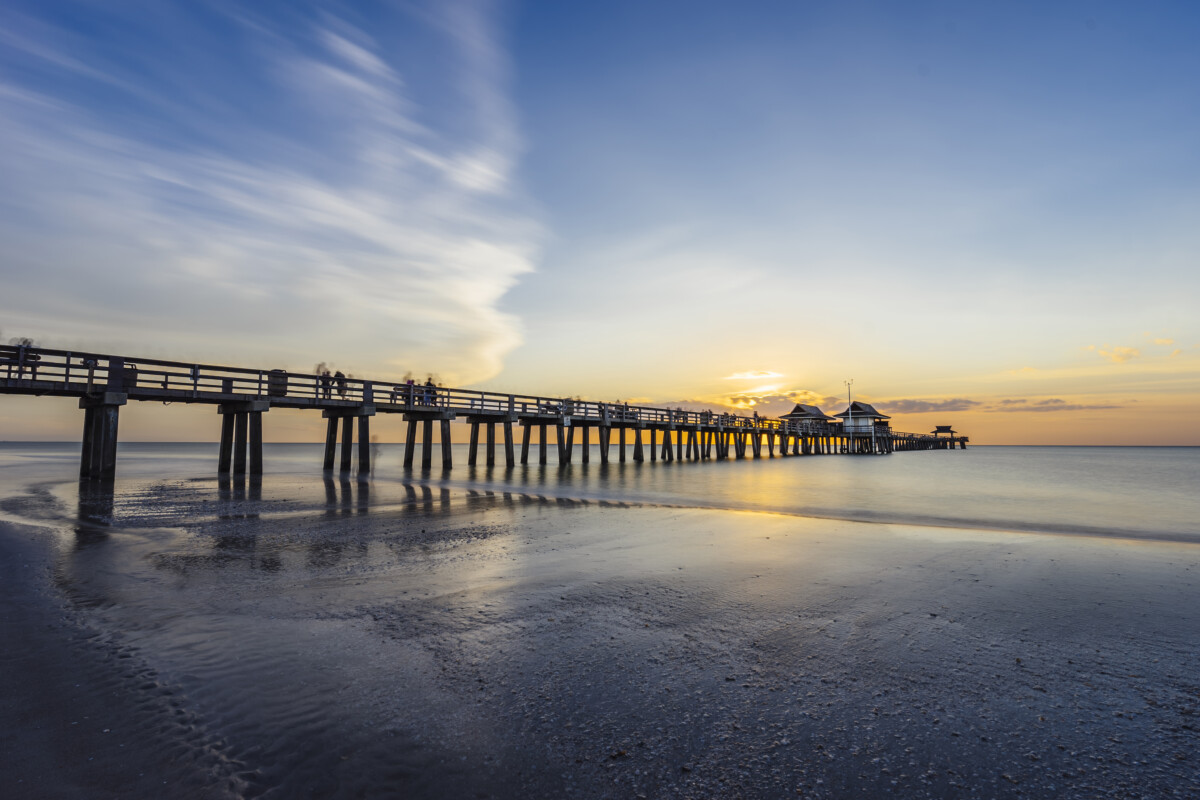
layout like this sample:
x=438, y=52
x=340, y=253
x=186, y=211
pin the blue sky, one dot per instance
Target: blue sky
x=958, y=205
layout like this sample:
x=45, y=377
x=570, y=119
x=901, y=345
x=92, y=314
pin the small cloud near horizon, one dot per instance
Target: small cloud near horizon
x=1164, y=342
x=907, y=406
x=1117, y=355
x=1048, y=404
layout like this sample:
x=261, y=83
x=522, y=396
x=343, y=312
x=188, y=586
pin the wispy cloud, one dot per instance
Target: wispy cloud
x=1164, y=342
x=351, y=219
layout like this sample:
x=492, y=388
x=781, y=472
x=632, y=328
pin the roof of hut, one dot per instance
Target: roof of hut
x=802, y=411
x=942, y=429
x=862, y=410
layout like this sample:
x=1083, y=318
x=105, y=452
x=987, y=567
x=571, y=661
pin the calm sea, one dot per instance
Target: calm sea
x=1145, y=492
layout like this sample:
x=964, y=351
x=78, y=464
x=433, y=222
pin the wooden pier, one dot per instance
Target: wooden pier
x=105, y=383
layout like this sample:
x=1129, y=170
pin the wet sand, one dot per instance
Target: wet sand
x=484, y=645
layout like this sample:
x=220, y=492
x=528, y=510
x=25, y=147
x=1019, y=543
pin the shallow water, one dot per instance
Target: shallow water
x=645, y=628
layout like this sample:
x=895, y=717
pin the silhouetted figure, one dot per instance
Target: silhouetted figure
x=24, y=359
x=326, y=381
x=341, y=383
x=430, y=391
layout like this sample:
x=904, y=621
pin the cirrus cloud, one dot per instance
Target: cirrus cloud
x=299, y=189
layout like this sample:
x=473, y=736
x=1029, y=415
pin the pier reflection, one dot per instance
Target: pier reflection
x=340, y=531
x=233, y=493
x=95, y=511
x=344, y=497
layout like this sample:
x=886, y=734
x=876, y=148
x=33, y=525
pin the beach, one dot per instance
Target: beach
x=413, y=637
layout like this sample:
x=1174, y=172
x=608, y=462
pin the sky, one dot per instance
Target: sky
x=983, y=214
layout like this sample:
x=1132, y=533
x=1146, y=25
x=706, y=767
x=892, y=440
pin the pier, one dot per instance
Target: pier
x=105, y=383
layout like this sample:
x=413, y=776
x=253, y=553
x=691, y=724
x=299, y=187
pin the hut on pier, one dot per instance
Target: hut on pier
x=861, y=418
x=803, y=413
x=946, y=430
x=808, y=418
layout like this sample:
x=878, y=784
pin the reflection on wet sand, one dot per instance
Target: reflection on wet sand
x=96, y=498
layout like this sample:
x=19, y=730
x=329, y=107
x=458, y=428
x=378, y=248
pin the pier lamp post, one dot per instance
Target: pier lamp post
x=849, y=416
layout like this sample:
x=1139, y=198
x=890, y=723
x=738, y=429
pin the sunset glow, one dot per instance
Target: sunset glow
x=693, y=204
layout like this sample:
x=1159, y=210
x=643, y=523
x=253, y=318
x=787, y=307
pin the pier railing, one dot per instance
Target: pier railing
x=75, y=373
x=105, y=382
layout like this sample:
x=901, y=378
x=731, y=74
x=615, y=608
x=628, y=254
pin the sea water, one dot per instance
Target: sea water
x=1139, y=492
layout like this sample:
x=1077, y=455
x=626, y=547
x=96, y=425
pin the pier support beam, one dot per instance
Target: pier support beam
x=426, y=418
x=225, y=453
x=427, y=444
x=566, y=441
x=410, y=442
x=241, y=437
x=98, y=461
x=447, y=460
x=364, y=445
x=347, y=442
x=346, y=417
x=473, y=447
x=256, y=443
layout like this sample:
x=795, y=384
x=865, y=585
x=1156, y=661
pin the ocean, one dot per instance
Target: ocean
x=1008, y=621
x=1140, y=492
